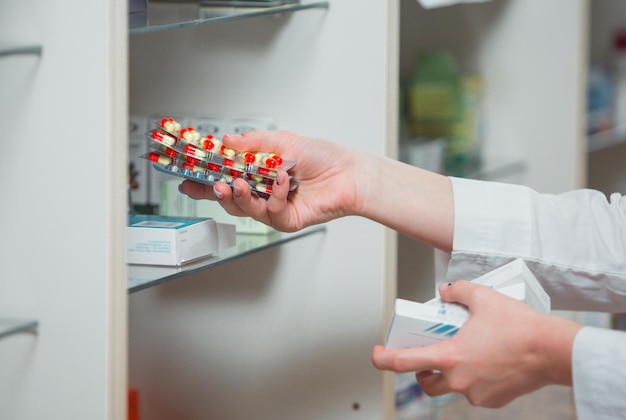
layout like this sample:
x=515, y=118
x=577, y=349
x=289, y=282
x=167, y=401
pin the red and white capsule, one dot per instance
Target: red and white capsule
x=170, y=152
x=277, y=158
x=269, y=173
x=269, y=162
x=159, y=158
x=235, y=173
x=170, y=124
x=255, y=177
x=190, y=135
x=193, y=151
x=192, y=168
x=214, y=167
x=192, y=160
x=225, y=151
x=248, y=157
x=264, y=188
x=211, y=144
x=164, y=138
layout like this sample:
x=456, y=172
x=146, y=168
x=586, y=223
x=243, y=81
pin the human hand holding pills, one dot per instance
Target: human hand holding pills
x=183, y=152
x=327, y=182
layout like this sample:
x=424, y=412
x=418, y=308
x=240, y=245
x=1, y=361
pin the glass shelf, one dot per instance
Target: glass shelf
x=163, y=16
x=144, y=276
x=607, y=138
x=6, y=50
x=15, y=326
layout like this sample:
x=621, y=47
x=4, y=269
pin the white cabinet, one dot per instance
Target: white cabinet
x=287, y=332
x=63, y=182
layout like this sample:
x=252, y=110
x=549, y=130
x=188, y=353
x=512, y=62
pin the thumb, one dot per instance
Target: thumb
x=461, y=291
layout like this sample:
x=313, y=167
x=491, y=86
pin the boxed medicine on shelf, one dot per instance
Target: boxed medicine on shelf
x=172, y=241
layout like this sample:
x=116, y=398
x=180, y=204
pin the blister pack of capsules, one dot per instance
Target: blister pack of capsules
x=183, y=152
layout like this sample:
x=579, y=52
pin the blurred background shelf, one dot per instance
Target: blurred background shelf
x=163, y=16
x=9, y=50
x=10, y=327
x=606, y=138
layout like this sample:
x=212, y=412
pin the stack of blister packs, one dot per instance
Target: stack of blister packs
x=185, y=153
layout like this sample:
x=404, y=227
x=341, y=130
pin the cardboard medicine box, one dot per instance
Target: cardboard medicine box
x=172, y=241
x=415, y=324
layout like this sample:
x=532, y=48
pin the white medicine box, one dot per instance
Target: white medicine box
x=172, y=241
x=415, y=324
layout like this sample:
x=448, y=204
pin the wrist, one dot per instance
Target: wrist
x=366, y=169
x=554, y=343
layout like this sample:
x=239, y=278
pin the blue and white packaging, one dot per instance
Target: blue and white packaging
x=415, y=324
x=172, y=241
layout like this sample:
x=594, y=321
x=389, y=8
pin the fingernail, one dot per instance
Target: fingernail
x=233, y=135
x=445, y=286
x=280, y=178
x=236, y=191
x=217, y=194
x=180, y=189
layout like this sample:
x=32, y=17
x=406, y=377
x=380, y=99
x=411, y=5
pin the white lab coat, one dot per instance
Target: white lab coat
x=575, y=244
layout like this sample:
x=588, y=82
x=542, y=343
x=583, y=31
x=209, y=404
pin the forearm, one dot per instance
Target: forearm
x=410, y=200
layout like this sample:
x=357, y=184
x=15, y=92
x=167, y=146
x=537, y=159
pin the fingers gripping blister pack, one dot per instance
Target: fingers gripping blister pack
x=183, y=152
x=415, y=324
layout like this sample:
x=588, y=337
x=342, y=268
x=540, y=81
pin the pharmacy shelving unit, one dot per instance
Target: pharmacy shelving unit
x=63, y=286
x=142, y=277
x=298, y=320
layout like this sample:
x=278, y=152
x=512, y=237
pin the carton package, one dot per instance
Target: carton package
x=415, y=324
x=172, y=241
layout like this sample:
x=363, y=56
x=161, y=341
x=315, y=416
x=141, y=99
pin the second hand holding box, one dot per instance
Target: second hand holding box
x=415, y=324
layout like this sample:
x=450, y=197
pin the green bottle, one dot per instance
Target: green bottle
x=435, y=95
x=443, y=105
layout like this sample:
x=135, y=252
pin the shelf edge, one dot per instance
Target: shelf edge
x=16, y=327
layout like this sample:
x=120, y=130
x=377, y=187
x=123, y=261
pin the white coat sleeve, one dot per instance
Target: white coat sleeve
x=575, y=244
x=599, y=371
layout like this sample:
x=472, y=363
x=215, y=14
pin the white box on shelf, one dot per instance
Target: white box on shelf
x=172, y=241
x=415, y=324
